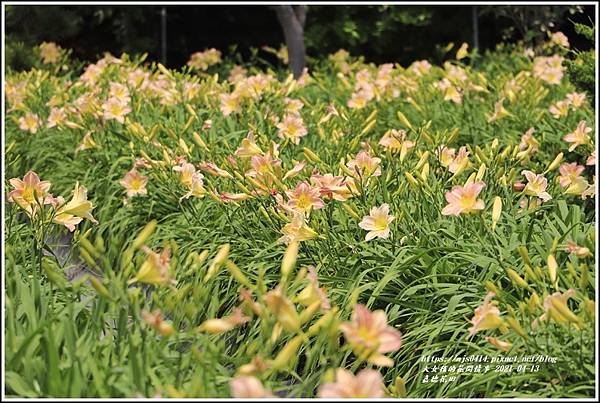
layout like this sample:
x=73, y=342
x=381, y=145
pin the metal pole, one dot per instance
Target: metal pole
x=475, y=27
x=163, y=35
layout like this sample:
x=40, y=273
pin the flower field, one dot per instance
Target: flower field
x=362, y=231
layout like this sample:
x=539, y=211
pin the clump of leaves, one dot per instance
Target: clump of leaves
x=581, y=69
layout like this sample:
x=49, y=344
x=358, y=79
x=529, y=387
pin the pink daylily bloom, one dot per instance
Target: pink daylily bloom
x=368, y=383
x=370, y=336
x=536, y=185
x=463, y=199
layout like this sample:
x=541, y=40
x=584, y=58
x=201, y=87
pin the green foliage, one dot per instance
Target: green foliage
x=582, y=69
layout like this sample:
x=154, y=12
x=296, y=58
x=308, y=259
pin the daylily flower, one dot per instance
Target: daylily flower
x=579, y=251
x=499, y=112
x=79, y=207
x=297, y=230
x=420, y=67
x=559, y=109
x=460, y=162
x=49, y=52
x=230, y=103
x=213, y=169
x=579, y=136
x=555, y=308
x=305, y=198
x=576, y=99
x=30, y=122
x=119, y=92
x=115, y=109
x=86, y=143
x=312, y=292
x=134, y=183
x=529, y=142
x=487, y=316
x=248, y=148
x=283, y=309
x=364, y=165
x=446, y=155
x=296, y=169
x=228, y=197
x=463, y=199
x=203, y=60
x=236, y=74
x=570, y=173
x=155, y=320
x=218, y=326
x=536, y=185
x=591, y=159
x=292, y=127
x=29, y=193
x=293, y=106
x=502, y=345
x=560, y=39
x=377, y=222
x=57, y=117
x=395, y=140
x=155, y=269
x=367, y=383
x=370, y=336
x=591, y=190
x=360, y=98
x=332, y=187
x=248, y=387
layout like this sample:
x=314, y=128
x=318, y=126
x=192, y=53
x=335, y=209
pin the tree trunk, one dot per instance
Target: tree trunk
x=292, y=20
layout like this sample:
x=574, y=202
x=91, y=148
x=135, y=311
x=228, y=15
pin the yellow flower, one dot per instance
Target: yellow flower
x=230, y=103
x=502, y=345
x=115, y=109
x=86, y=143
x=218, y=326
x=536, y=185
x=50, y=52
x=365, y=166
x=248, y=148
x=79, y=206
x=579, y=136
x=487, y=316
x=499, y=112
x=297, y=230
x=283, y=309
x=155, y=269
x=462, y=52
x=304, y=198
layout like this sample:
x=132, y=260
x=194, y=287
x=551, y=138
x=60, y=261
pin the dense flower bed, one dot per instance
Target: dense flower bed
x=190, y=234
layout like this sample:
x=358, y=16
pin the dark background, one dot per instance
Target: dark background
x=379, y=33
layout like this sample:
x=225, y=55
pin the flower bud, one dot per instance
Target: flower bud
x=552, y=269
x=402, y=118
x=516, y=279
x=496, y=211
x=289, y=259
x=287, y=353
x=144, y=234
